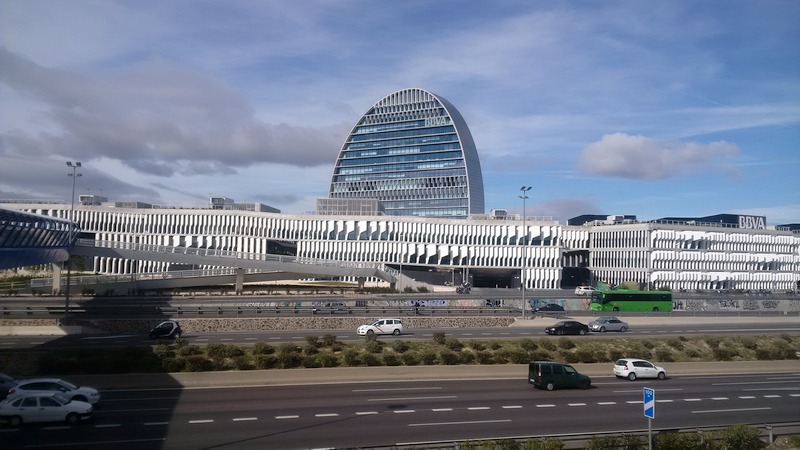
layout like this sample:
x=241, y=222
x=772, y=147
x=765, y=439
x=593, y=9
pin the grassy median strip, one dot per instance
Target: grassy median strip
x=327, y=351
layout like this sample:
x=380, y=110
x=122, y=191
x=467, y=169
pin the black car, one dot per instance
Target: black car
x=568, y=327
x=550, y=307
x=166, y=329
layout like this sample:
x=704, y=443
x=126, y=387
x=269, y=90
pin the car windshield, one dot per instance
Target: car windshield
x=560, y=324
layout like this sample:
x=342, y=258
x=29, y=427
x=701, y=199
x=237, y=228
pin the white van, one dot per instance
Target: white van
x=584, y=290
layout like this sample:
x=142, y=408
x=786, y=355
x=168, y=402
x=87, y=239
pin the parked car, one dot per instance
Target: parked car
x=567, y=327
x=555, y=375
x=331, y=307
x=584, y=290
x=43, y=407
x=50, y=385
x=381, y=326
x=633, y=368
x=603, y=324
x=549, y=308
x=6, y=381
x=166, y=329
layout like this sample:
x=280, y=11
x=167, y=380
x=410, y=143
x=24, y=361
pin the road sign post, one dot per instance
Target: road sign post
x=650, y=413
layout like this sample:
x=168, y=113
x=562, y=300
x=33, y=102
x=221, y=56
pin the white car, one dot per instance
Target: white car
x=584, y=290
x=381, y=326
x=632, y=368
x=603, y=324
x=43, y=407
x=50, y=385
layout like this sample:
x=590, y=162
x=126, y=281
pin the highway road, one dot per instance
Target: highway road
x=640, y=327
x=409, y=412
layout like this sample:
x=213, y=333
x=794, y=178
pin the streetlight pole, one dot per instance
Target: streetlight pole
x=524, y=196
x=74, y=176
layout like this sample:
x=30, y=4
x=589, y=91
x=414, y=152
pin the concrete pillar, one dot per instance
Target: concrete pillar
x=57, y=277
x=239, y=280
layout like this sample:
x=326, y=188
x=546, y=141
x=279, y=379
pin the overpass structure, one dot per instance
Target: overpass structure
x=221, y=267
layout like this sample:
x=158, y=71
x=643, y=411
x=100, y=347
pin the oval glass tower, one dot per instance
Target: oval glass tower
x=414, y=153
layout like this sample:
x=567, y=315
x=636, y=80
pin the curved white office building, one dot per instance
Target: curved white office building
x=414, y=153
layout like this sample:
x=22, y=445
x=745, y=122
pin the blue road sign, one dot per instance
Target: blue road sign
x=649, y=403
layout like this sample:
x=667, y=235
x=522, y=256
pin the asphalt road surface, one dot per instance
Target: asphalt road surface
x=409, y=412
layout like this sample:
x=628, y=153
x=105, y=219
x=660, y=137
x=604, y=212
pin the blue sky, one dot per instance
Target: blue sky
x=679, y=108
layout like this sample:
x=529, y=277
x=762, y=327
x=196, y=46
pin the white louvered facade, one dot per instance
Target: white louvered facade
x=679, y=256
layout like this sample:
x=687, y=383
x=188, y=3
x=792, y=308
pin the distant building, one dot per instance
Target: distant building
x=414, y=153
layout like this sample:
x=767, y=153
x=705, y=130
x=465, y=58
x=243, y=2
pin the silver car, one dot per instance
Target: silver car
x=604, y=324
x=43, y=407
x=50, y=385
x=633, y=368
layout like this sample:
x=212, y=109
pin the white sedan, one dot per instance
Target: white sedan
x=632, y=368
x=43, y=407
x=50, y=385
x=381, y=326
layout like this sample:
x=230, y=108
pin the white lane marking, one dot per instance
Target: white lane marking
x=750, y=383
x=747, y=397
x=634, y=402
x=155, y=423
x=403, y=411
x=692, y=399
x=794, y=395
x=399, y=389
x=477, y=408
x=456, y=423
x=729, y=410
x=606, y=403
x=62, y=427
x=408, y=398
x=441, y=409
x=250, y=339
x=639, y=391
x=719, y=398
x=365, y=413
x=286, y=417
x=202, y=421
x=512, y=407
x=546, y=406
x=327, y=415
x=772, y=396
x=576, y=404
x=108, y=425
x=244, y=419
x=664, y=401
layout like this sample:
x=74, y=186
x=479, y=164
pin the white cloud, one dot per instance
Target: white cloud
x=642, y=158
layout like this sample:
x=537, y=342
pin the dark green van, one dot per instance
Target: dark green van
x=555, y=375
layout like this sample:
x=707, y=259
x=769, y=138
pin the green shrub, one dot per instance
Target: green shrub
x=288, y=347
x=327, y=360
x=543, y=444
x=566, y=343
x=540, y=355
x=262, y=348
x=739, y=437
x=289, y=360
x=172, y=365
x=467, y=357
x=190, y=350
x=371, y=359
x=495, y=345
x=373, y=346
x=410, y=359
x=547, y=344
x=664, y=354
x=449, y=357
x=527, y=344
x=712, y=341
x=309, y=362
x=241, y=363
x=723, y=354
x=197, y=363
x=677, y=441
x=439, y=337
x=615, y=354
x=484, y=357
x=427, y=357
x=675, y=343
x=585, y=356
x=476, y=345
x=163, y=351
x=310, y=349
x=692, y=353
x=216, y=350
x=391, y=359
x=351, y=357
x=748, y=342
x=617, y=442
x=263, y=361
x=453, y=344
x=329, y=340
x=569, y=357
x=312, y=341
x=648, y=344
x=400, y=346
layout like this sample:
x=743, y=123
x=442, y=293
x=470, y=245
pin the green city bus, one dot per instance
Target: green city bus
x=630, y=300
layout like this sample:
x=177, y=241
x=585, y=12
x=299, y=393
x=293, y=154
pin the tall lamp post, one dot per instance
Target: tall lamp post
x=74, y=176
x=524, y=196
